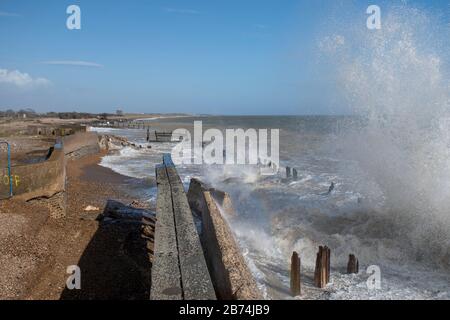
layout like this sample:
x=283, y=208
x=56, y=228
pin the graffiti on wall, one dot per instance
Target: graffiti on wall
x=5, y=179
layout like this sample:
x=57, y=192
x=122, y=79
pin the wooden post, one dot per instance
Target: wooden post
x=294, y=174
x=328, y=251
x=288, y=172
x=322, y=271
x=353, y=264
x=295, y=275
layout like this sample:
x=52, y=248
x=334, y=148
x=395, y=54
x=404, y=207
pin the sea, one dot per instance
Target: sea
x=389, y=160
x=276, y=216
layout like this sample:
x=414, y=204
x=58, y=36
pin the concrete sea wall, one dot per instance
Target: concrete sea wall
x=47, y=179
x=55, y=131
x=230, y=275
x=179, y=271
x=81, y=144
x=43, y=179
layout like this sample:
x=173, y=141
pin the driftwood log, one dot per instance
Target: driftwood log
x=119, y=211
x=322, y=271
x=295, y=275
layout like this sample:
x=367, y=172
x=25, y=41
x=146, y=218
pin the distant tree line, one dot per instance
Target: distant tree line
x=31, y=114
x=76, y=115
x=22, y=113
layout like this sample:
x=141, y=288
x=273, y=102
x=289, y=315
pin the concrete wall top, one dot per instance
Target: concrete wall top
x=79, y=140
x=179, y=270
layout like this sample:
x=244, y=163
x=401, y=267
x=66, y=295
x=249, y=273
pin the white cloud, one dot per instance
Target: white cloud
x=182, y=11
x=20, y=79
x=9, y=14
x=73, y=63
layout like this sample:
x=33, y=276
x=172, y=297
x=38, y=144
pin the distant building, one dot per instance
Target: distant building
x=119, y=112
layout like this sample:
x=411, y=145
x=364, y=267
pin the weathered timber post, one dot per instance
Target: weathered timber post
x=288, y=172
x=295, y=275
x=353, y=264
x=294, y=174
x=322, y=271
x=328, y=251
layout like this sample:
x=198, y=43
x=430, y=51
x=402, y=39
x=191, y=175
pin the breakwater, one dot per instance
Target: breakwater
x=188, y=265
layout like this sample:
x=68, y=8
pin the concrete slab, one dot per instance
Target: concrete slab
x=176, y=235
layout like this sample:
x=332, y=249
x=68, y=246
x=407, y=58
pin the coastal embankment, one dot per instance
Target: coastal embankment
x=105, y=226
x=37, y=249
x=195, y=259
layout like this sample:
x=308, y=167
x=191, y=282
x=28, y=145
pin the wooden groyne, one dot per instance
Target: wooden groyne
x=125, y=124
x=149, y=132
x=295, y=275
x=179, y=271
x=322, y=270
x=353, y=264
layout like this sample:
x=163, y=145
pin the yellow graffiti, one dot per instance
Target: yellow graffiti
x=15, y=180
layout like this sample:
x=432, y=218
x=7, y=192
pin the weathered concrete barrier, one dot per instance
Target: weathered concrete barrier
x=81, y=144
x=197, y=202
x=54, y=130
x=43, y=179
x=231, y=277
x=179, y=270
x=46, y=181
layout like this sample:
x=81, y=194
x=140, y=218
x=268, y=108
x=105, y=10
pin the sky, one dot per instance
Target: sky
x=237, y=57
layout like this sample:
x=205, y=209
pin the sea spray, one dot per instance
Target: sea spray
x=394, y=78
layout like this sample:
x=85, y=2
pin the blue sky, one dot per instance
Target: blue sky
x=215, y=56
